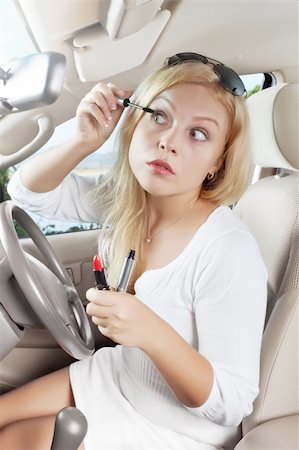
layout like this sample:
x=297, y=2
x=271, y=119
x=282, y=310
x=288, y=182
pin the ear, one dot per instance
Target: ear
x=216, y=166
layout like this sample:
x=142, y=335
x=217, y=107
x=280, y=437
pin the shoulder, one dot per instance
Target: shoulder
x=223, y=220
x=223, y=225
x=226, y=239
x=229, y=260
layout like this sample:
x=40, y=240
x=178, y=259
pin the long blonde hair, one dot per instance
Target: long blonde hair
x=123, y=200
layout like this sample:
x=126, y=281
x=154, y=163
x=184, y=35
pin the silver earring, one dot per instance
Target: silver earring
x=210, y=176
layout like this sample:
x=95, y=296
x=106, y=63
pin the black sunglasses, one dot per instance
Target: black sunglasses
x=228, y=78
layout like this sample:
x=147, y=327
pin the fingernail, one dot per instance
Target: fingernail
x=113, y=106
x=90, y=294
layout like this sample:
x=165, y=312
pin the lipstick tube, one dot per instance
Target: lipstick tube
x=126, y=272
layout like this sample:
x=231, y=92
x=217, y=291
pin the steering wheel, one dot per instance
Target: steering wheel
x=50, y=292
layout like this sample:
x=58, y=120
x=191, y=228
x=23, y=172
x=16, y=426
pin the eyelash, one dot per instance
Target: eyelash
x=157, y=114
x=201, y=131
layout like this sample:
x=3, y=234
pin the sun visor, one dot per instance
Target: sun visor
x=121, y=18
x=90, y=45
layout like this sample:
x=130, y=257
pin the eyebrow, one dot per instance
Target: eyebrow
x=210, y=119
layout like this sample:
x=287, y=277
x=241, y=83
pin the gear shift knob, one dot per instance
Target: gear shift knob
x=70, y=429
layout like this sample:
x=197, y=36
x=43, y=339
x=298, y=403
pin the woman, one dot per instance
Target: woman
x=186, y=369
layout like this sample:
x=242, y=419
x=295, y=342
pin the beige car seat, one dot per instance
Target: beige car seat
x=270, y=209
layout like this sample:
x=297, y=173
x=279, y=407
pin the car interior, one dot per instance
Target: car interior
x=44, y=277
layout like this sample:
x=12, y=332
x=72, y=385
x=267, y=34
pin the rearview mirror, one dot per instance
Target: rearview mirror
x=30, y=82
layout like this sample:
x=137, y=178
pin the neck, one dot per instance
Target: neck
x=171, y=215
x=163, y=209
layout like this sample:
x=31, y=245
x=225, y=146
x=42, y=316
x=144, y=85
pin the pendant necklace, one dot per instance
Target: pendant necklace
x=150, y=235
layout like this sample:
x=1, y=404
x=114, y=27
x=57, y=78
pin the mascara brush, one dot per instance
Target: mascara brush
x=126, y=102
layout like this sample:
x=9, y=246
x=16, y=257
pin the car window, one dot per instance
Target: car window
x=253, y=83
x=15, y=41
x=98, y=162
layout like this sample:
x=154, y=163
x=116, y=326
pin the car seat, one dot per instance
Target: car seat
x=270, y=209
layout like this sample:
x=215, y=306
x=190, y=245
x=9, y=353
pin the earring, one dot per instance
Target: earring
x=210, y=176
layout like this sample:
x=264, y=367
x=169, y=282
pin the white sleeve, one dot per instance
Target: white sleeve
x=72, y=200
x=230, y=307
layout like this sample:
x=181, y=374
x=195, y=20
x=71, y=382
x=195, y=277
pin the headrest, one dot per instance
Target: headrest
x=274, y=121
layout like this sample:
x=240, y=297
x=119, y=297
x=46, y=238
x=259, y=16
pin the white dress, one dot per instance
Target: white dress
x=214, y=295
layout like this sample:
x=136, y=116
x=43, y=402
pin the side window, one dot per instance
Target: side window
x=98, y=162
x=253, y=83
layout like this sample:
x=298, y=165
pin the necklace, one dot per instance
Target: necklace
x=150, y=235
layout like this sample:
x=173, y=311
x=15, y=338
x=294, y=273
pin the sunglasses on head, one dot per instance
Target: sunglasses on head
x=228, y=78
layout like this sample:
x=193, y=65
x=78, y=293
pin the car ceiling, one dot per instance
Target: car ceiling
x=249, y=36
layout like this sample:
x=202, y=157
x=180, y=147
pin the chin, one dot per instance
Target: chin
x=159, y=192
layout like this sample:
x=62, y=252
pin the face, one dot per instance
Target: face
x=174, y=149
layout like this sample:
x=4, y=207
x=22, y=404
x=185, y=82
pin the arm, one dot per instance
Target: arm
x=46, y=171
x=97, y=115
x=188, y=374
x=231, y=299
x=73, y=200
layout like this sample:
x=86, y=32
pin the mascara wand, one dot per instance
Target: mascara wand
x=126, y=102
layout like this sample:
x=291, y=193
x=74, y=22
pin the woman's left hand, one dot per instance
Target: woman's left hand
x=122, y=317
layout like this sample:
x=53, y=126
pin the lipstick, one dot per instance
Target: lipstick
x=126, y=102
x=126, y=272
x=99, y=274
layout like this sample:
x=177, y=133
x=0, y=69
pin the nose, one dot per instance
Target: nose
x=168, y=142
x=166, y=147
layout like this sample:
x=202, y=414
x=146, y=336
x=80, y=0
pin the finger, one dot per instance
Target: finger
x=94, y=295
x=101, y=99
x=104, y=331
x=100, y=321
x=88, y=106
x=110, y=93
x=101, y=297
x=119, y=93
x=98, y=97
x=106, y=96
x=99, y=311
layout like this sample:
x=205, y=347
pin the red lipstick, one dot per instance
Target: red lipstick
x=99, y=274
x=160, y=167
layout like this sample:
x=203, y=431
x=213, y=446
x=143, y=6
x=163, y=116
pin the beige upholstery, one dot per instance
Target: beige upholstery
x=276, y=434
x=270, y=208
x=274, y=121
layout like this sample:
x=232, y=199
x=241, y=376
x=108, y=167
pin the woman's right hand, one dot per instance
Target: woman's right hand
x=98, y=114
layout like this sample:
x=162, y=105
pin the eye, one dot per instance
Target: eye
x=159, y=117
x=199, y=135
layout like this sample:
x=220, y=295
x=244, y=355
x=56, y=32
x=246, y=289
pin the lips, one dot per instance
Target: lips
x=161, y=167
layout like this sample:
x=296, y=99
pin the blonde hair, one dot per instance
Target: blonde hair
x=123, y=200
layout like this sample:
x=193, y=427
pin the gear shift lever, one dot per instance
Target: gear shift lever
x=70, y=429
